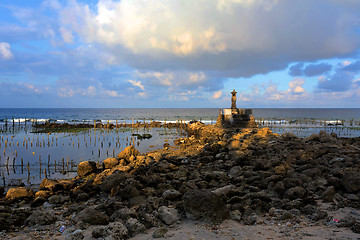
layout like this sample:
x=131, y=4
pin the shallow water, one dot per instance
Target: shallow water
x=305, y=130
x=59, y=153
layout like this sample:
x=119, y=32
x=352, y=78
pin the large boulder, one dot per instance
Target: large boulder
x=171, y=194
x=113, y=180
x=325, y=137
x=86, y=168
x=37, y=202
x=51, y=184
x=134, y=226
x=128, y=152
x=75, y=235
x=123, y=214
x=351, y=181
x=43, y=194
x=92, y=216
x=168, y=215
x=205, y=205
x=40, y=218
x=295, y=192
x=117, y=230
x=19, y=193
x=12, y=218
x=110, y=162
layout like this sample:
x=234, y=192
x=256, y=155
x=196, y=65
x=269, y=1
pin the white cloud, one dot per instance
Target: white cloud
x=296, y=86
x=142, y=94
x=228, y=5
x=217, y=94
x=23, y=88
x=163, y=78
x=112, y=93
x=269, y=94
x=32, y=88
x=53, y=4
x=137, y=84
x=346, y=63
x=64, y=92
x=90, y=91
x=5, y=50
x=66, y=35
x=176, y=81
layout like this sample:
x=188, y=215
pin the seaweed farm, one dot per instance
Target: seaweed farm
x=28, y=156
x=305, y=127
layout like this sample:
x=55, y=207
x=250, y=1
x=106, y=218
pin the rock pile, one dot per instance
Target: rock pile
x=216, y=174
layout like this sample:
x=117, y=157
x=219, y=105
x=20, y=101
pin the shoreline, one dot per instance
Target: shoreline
x=246, y=175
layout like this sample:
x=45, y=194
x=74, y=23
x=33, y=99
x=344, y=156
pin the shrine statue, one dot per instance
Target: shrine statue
x=233, y=99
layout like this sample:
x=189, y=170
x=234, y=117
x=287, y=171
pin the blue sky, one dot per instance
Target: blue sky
x=179, y=53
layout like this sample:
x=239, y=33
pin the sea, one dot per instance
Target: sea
x=27, y=157
x=170, y=114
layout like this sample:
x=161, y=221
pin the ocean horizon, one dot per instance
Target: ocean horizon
x=172, y=114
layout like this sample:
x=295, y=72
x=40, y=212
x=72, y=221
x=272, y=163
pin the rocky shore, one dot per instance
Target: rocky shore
x=251, y=176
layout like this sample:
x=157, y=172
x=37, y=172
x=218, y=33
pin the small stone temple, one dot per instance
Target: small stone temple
x=235, y=117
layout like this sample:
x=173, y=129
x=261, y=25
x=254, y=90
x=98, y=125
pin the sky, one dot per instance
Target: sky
x=179, y=53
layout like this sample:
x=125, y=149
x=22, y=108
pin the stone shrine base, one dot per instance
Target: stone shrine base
x=236, y=118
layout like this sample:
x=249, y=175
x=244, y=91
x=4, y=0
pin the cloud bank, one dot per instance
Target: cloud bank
x=181, y=50
x=239, y=38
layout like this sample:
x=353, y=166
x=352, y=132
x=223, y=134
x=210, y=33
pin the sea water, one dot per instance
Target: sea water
x=207, y=115
x=30, y=156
